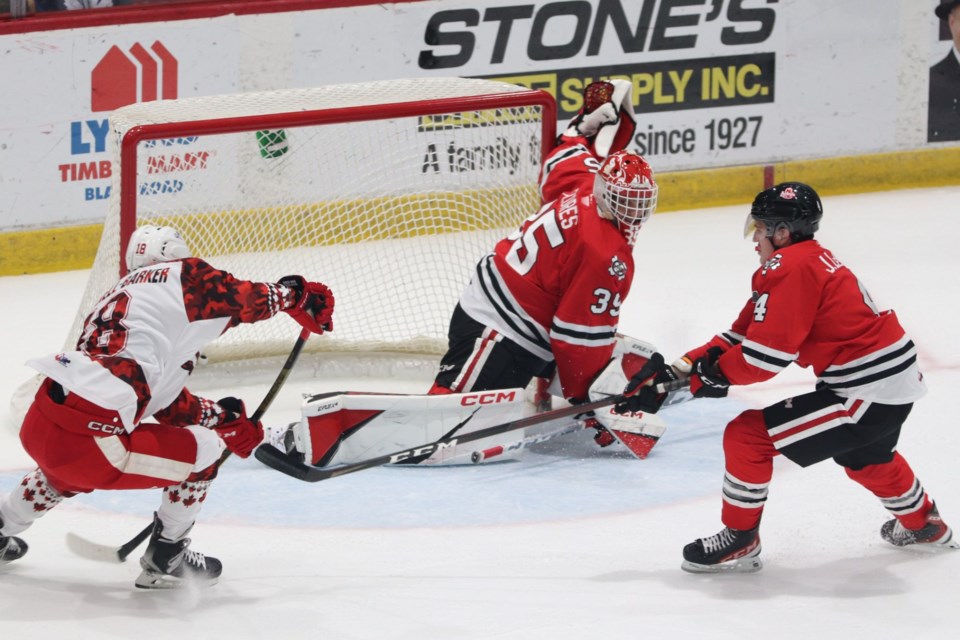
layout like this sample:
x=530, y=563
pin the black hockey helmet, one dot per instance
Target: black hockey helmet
x=793, y=205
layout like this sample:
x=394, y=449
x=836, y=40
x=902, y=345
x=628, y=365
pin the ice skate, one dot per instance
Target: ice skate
x=11, y=548
x=728, y=551
x=935, y=534
x=169, y=564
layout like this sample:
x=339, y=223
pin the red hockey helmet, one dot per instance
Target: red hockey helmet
x=625, y=189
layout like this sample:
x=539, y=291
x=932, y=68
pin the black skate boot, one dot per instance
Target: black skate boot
x=170, y=564
x=11, y=547
x=728, y=551
x=934, y=534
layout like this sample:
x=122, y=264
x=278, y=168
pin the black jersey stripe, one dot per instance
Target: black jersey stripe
x=600, y=336
x=893, y=355
x=501, y=303
x=764, y=357
x=879, y=375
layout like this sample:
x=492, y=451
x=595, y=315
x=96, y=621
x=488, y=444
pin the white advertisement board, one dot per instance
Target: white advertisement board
x=716, y=82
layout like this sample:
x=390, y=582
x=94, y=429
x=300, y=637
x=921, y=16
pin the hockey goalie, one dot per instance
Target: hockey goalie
x=544, y=303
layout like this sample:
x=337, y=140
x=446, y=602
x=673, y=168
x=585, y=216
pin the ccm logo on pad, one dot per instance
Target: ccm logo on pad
x=109, y=429
x=492, y=397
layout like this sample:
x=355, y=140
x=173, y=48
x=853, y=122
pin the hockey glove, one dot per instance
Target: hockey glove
x=313, y=304
x=606, y=119
x=240, y=434
x=641, y=388
x=602, y=437
x=598, y=110
x=706, y=379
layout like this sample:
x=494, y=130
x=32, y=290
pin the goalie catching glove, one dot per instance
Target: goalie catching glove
x=312, y=304
x=240, y=434
x=607, y=118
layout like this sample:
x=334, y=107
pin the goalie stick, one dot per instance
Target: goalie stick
x=291, y=464
x=106, y=553
x=479, y=456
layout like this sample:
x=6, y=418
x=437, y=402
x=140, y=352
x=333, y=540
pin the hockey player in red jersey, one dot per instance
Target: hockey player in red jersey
x=808, y=308
x=548, y=297
x=87, y=427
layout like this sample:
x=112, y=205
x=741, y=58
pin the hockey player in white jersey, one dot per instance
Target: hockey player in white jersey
x=88, y=425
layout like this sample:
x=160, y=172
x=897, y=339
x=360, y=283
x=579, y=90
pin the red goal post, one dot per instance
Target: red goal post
x=389, y=192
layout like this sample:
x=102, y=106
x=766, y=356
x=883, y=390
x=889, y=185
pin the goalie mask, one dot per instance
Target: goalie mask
x=150, y=245
x=794, y=206
x=625, y=189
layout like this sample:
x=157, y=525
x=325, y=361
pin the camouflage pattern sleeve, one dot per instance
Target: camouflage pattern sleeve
x=209, y=292
x=189, y=409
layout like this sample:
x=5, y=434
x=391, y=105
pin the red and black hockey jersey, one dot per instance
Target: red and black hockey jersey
x=142, y=340
x=555, y=287
x=809, y=308
x=571, y=165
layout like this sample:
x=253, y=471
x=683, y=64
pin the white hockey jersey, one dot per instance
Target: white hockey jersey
x=142, y=339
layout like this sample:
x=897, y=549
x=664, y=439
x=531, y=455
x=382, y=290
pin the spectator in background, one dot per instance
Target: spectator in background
x=943, y=119
x=60, y=5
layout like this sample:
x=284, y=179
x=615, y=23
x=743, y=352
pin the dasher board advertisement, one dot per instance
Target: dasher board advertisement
x=715, y=82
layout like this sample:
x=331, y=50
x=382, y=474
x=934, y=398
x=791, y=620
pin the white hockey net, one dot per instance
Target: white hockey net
x=388, y=192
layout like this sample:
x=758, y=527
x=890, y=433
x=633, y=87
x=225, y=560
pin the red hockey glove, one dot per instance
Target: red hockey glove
x=602, y=437
x=641, y=388
x=240, y=434
x=313, y=307
x=706, y=379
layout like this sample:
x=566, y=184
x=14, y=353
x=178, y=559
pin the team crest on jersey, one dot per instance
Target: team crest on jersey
x=618, y=268
x=771, y=265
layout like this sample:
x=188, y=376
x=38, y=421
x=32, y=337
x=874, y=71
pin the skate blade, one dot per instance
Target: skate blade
x=154, y=580
x=948, y=541
x=930, y=547
x=749, y=564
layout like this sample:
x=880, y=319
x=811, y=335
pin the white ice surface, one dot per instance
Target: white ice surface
x=569, y=542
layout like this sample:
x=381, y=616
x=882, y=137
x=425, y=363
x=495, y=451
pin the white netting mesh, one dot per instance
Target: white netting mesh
x=391, y=211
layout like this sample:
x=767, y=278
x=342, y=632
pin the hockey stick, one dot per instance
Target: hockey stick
x=293, y=466
x=106, y=553
x=479, y=456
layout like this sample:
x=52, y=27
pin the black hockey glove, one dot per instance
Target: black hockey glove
x=706, y=380
x=641, y=388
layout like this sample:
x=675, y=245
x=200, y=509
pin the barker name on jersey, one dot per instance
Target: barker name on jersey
x=153, y=316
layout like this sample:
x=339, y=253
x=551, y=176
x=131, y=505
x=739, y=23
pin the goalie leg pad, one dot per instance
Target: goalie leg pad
x=638, y=431
x=344, y=428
